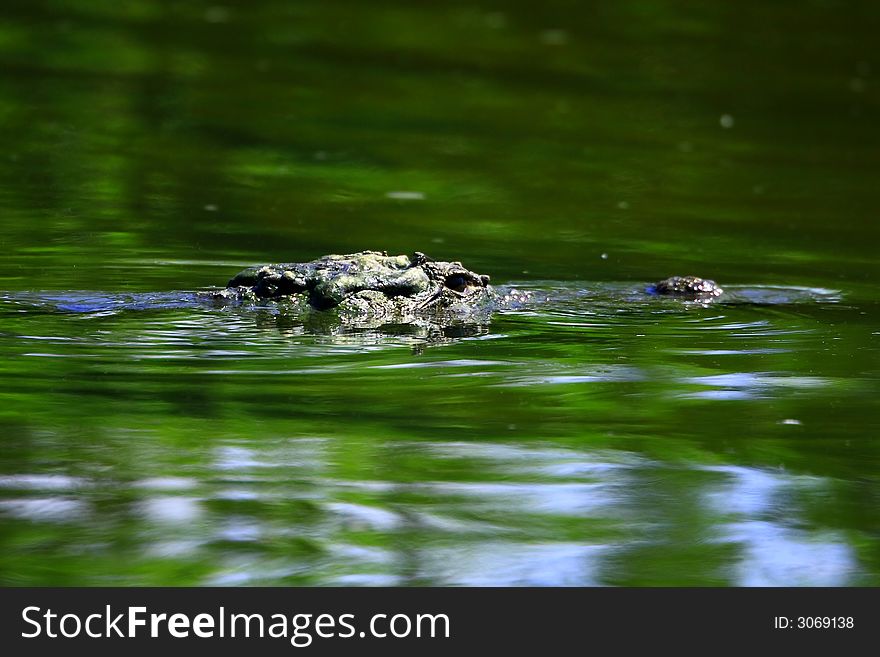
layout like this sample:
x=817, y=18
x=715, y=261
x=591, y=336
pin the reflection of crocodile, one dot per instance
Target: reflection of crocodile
x=374, y=284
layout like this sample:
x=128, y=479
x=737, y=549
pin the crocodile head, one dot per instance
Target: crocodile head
x=374, y=278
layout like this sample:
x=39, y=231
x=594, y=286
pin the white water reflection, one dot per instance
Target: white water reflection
x=41, y=482
x=301, y=510
x=496, y=563
x=779, y=556
x=45, y=509
x=171, y=509
x=749, y=385
x=762, y=518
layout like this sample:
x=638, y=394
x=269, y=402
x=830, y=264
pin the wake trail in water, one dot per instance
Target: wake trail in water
x=546, y=295
x=98, y=303
x=552, y=297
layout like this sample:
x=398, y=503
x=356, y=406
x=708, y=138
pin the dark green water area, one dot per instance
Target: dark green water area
x=578, y=150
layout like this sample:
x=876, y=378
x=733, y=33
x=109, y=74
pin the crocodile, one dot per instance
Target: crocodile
x=372, y=295
x=373, y=284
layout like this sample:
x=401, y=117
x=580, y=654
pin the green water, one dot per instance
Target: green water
x=600, y=438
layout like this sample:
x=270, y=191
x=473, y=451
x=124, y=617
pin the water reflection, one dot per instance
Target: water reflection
x=499, y=563
x=45, y=509
x=766, y=525
x=537, y=516
x=748, y=385
x=240, y=323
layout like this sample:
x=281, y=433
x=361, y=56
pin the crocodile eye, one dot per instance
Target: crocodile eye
x=457, y=282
